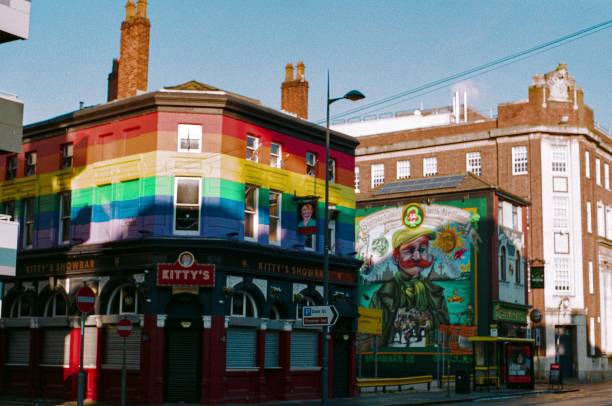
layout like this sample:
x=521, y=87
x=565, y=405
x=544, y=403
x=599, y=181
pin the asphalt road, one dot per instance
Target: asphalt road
x=599, y=394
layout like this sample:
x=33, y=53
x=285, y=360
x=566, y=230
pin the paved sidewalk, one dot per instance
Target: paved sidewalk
x=406, y=397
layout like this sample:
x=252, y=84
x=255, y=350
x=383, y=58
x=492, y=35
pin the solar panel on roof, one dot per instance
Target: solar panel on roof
x=414, y=185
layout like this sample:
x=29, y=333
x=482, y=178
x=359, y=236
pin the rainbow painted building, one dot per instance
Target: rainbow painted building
x=192, y=177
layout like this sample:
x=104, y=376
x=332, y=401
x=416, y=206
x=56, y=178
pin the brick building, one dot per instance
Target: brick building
x=548, y=150
x=181, y=209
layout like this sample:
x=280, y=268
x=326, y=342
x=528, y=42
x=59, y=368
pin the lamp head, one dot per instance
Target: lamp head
x=354, y=95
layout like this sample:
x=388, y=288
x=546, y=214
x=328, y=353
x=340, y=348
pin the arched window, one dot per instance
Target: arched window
x=21, y=307
x=56, y=305
x=274, y=313
x=517, y=269
x=243, y=305
x=502, y=264
x=125, y=299
x=306, y=301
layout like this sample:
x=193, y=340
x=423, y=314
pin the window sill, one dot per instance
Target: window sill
x=274, y=368
x=242, y=369
x=304, y=369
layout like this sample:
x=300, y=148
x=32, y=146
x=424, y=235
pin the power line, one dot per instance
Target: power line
x=481, y=69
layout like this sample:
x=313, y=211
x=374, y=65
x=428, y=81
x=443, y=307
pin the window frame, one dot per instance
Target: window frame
x=520, y=160
x=562, y=277
x=402, y=169
x=587, y=164
x=503, y=264
x=589, y=217
x=64, y=223
x=276, y=159
x=29, y=222
x=332, y=235
x=332, y=170
x=517, y=270
x=247, y=298
x=16, y=307
x=377, y=175
x=601, y=219
x=66, y=155
x=607, y=176
x=30, y=162
x=51, y=305
x=186, y=128
x=278, y=217
x=430, y=166
x=119, y=290
x=559, y=159
x=252, y=151
x=311, y=164
x=357, y=180
x=11, y=167
x=254, y=213
x=473, y=163
x=176, y=205
x=597, y=171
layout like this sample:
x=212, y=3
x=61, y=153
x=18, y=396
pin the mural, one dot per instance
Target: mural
x=418, y=270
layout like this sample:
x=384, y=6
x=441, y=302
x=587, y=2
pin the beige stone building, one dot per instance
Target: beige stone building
x=548, y=150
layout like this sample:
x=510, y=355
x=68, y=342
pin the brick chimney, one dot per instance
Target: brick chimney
x=294, y=91
x=133, y=70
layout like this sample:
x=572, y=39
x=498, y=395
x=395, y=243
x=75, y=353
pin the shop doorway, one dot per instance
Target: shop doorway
x=566, y=349
x=341, y=357
x=183, y=350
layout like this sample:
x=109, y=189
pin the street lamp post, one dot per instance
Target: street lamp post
x=353, y=95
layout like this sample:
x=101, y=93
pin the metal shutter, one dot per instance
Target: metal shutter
x=304, y=349
x=18, y=351
x=113, y=353
x=56, y=346
x=241, y=347
x=271, y=353
x=183, y=362
x=91, y=347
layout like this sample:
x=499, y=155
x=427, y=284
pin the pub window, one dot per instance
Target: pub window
x=311, y=164
x=276, y=155
x=28, y=221
x=332, y=170
x=125, y=299
x=275, y=227
x=252, y=148
x=56, y=305
x=403, y=169
x=250, y=212
x=66, y=155
x=473, y=163
x=21, y=307
x=243, y=305
x=64, y=217
x=187, y=206
x=377, y=174
x=275, y=313
x=11, y=167
x=30, y=164
x=331, y=235
x=9, y=208
x=189, y=138
x=430, y=166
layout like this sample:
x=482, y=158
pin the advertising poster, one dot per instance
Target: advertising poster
x=418, y=271
x=519, y=359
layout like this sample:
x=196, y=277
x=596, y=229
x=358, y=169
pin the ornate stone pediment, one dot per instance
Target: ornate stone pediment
x=560, y=84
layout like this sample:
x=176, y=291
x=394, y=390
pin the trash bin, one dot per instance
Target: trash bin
x=462, y=382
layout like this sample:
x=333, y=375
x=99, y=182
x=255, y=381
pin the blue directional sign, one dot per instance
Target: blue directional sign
x=319, y=316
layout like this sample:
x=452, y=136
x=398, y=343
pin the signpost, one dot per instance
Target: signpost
x=124, y=329
x=319, y=316
x=85, y=302
x=554, y=375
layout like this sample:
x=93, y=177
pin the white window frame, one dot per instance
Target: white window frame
x=67, y=154
x=589, y=217
x=592, y=348
x=29, y=223
x=189, y=132
x=357, y=180
x=30, y=163
x=473, y=163
x=598, y=171
x=402, y=170
x=247, y=300
x=332, y=170
x=601, y=219
x=253, y=143
x=119, y=290
x=591, y=276
x=254, y=213
x=562, y=274
x=520, y=160
x=607, y=176
x=609, y=223
x=278, y=217
x=11, y=167
x=560, y=212
x=311, y=164
x=16, y=307
x=377, y=175
x=559, y=159
x=199, y=204
x=332, y=236
x=430, y=166
x=587, y=164
x=276, y=158
x=50, y=306
x=63, y=218
x=310, y=242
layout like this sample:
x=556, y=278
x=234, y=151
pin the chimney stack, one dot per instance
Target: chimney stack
x=294, y=91
x=133, y=66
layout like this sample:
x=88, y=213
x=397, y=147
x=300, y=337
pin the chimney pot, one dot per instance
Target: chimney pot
x=294, y=91
x=288, y=72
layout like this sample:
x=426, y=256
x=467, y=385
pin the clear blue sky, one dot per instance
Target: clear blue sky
x=378, y=47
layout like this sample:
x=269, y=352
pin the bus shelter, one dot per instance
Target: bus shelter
x=499, y=361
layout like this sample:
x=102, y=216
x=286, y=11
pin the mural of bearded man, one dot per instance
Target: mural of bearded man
x=408, y=291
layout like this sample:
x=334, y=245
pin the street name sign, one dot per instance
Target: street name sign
x=317, y=316
x=85, y=300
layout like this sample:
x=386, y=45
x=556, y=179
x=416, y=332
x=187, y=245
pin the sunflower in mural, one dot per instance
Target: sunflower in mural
x=448, y=239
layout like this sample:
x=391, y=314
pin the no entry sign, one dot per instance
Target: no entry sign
x=124, y=327
x=85, y=300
